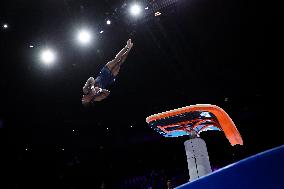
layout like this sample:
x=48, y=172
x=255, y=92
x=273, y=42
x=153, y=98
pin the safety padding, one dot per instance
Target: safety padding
x=262, y=171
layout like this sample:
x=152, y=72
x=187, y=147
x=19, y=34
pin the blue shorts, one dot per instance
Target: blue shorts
x=105, y=78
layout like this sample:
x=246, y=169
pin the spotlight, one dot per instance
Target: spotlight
x=135, y=10
x=102, y=31
x=108, y=22
x=5, y=26
x=47, y=56
x=84, y=37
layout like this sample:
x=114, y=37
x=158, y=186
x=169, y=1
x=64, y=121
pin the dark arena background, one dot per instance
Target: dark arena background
x=185, y=52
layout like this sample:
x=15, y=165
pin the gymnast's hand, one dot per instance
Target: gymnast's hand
x=101, y=94
x=91, y=95
x=96, y=94
x=88, y=85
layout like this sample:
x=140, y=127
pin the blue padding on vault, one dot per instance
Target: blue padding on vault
x=261, y=171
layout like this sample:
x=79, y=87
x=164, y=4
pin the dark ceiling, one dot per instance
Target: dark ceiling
x=195, y=52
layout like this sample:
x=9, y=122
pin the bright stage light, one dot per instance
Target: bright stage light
x=135, y=10
x=47, y=56
x=84, y=37
x=108, y=22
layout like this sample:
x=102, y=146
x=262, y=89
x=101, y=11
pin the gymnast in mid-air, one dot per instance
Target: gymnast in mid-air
x=95, y=89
